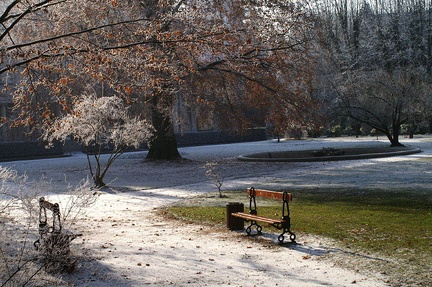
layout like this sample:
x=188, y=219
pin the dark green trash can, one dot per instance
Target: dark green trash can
x=234, y=223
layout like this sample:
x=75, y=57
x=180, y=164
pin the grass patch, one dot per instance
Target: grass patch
x=392, y=223
x=397, y=224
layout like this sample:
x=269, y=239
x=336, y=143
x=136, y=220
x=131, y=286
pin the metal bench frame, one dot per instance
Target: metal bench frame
x=283, y=224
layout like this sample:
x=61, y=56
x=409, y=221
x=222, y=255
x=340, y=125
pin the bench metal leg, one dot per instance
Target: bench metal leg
x=292, y=236
x=258, y=228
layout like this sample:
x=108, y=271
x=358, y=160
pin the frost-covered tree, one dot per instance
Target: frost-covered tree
x=384, y=101
x=378, y=60
x=100, y=124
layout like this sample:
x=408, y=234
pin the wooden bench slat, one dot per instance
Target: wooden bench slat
x=257, y=218
x=46, y=204
x=57, y=224
x=269, y=194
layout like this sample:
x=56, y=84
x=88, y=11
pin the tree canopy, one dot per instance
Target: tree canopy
x=231, y=58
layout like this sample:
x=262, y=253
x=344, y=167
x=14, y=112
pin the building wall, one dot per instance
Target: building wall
x=195, y=127
x=219, y=137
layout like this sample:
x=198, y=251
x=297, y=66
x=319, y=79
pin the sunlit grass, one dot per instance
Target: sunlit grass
x=392, y=223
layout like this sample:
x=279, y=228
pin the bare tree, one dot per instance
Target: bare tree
x=214, y=172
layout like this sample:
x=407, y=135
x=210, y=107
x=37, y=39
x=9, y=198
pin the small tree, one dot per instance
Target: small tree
x=99, y=124
x=215, y=175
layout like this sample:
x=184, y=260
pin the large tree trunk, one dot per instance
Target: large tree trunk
x=396, y=127
x=163, y=144
x=393, y=135
x=394, y=141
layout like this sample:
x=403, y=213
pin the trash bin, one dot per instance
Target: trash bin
x=234, y=223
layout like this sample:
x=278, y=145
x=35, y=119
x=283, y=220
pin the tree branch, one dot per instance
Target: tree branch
x=213, y=67
x=17, y=18
x=18, y=46
x=9, y=8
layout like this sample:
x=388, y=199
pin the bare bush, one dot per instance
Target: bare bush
x=17, y=257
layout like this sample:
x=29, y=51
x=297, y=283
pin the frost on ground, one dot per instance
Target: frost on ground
x=127, y=242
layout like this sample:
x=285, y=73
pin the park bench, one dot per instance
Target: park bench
x=54, y=239
x=284, y=223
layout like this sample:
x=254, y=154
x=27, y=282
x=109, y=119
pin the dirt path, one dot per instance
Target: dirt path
x=135, y=247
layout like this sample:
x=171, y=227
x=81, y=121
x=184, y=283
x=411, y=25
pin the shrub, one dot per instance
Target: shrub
x=97, y=123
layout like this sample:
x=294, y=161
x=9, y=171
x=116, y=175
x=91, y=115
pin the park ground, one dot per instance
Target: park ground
x=126, y=241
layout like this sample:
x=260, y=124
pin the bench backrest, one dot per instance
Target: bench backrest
x=269, y=194
x=56, y=226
